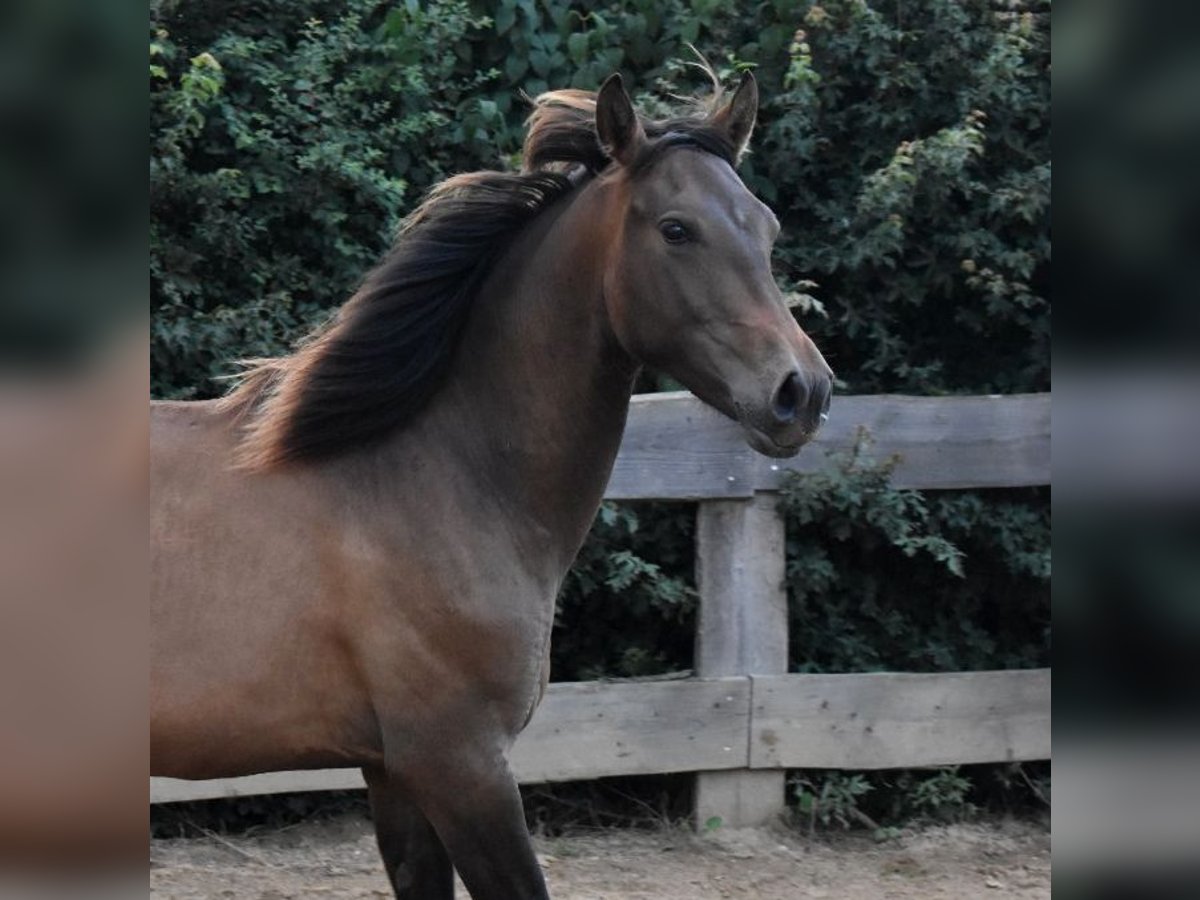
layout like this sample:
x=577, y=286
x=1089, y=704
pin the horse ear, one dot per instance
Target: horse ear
x=617, y=124
x=738, y=115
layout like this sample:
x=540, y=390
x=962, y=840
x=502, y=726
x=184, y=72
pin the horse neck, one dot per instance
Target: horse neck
x=536, y=405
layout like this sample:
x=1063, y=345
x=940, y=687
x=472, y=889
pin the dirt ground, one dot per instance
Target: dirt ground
x=337, y=859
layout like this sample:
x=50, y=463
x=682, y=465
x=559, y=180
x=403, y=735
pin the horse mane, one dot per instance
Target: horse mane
x=378, y=361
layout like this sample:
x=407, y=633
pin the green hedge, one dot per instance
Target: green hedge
x=905, y=146
x=878, y=579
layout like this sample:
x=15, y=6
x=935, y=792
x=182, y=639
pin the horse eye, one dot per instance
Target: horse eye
x=673, y=231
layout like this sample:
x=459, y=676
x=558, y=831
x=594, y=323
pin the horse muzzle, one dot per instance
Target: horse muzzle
x=795, y=411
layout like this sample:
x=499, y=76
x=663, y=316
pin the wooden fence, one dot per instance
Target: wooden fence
x=742, y=720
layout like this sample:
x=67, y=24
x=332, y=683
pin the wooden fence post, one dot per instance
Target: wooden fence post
x=742, y=630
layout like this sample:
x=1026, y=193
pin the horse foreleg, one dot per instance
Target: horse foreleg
x=413, y=855
x=476, y=808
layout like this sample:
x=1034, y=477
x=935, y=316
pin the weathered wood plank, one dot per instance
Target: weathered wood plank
x=582, y=730
x=869, y=721
x=742, y=629
x=593, y=730
x=171, y=790
x=941, y=442
x=675, y=447
x=893, y=720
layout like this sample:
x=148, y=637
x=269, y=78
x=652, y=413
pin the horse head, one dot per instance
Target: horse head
x=689, y=289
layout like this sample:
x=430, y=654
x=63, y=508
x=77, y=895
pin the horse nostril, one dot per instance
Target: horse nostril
x=787, y=399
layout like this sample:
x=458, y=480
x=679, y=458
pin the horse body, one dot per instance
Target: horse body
x=237, y=564
x=379, y=557
x=390, y=606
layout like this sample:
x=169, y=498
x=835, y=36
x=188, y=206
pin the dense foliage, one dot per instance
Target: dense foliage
x=905, y=147
x=881, y=579
x=878, y=579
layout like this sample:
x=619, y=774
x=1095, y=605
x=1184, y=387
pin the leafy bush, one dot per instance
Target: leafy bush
x=628, y=605
x=882, y=801
x=831, y=798
x=905, y=149
x=878, y=579
x=884, y=579
x=281, y=159
x=910, y=154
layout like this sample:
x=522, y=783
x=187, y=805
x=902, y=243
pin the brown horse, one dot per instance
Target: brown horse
x=357, y=552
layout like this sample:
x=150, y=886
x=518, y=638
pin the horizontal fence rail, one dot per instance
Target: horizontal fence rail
x=581, y=730
x=744, y=721
x=872, y=721
x=677, y=448
x=900, y=720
